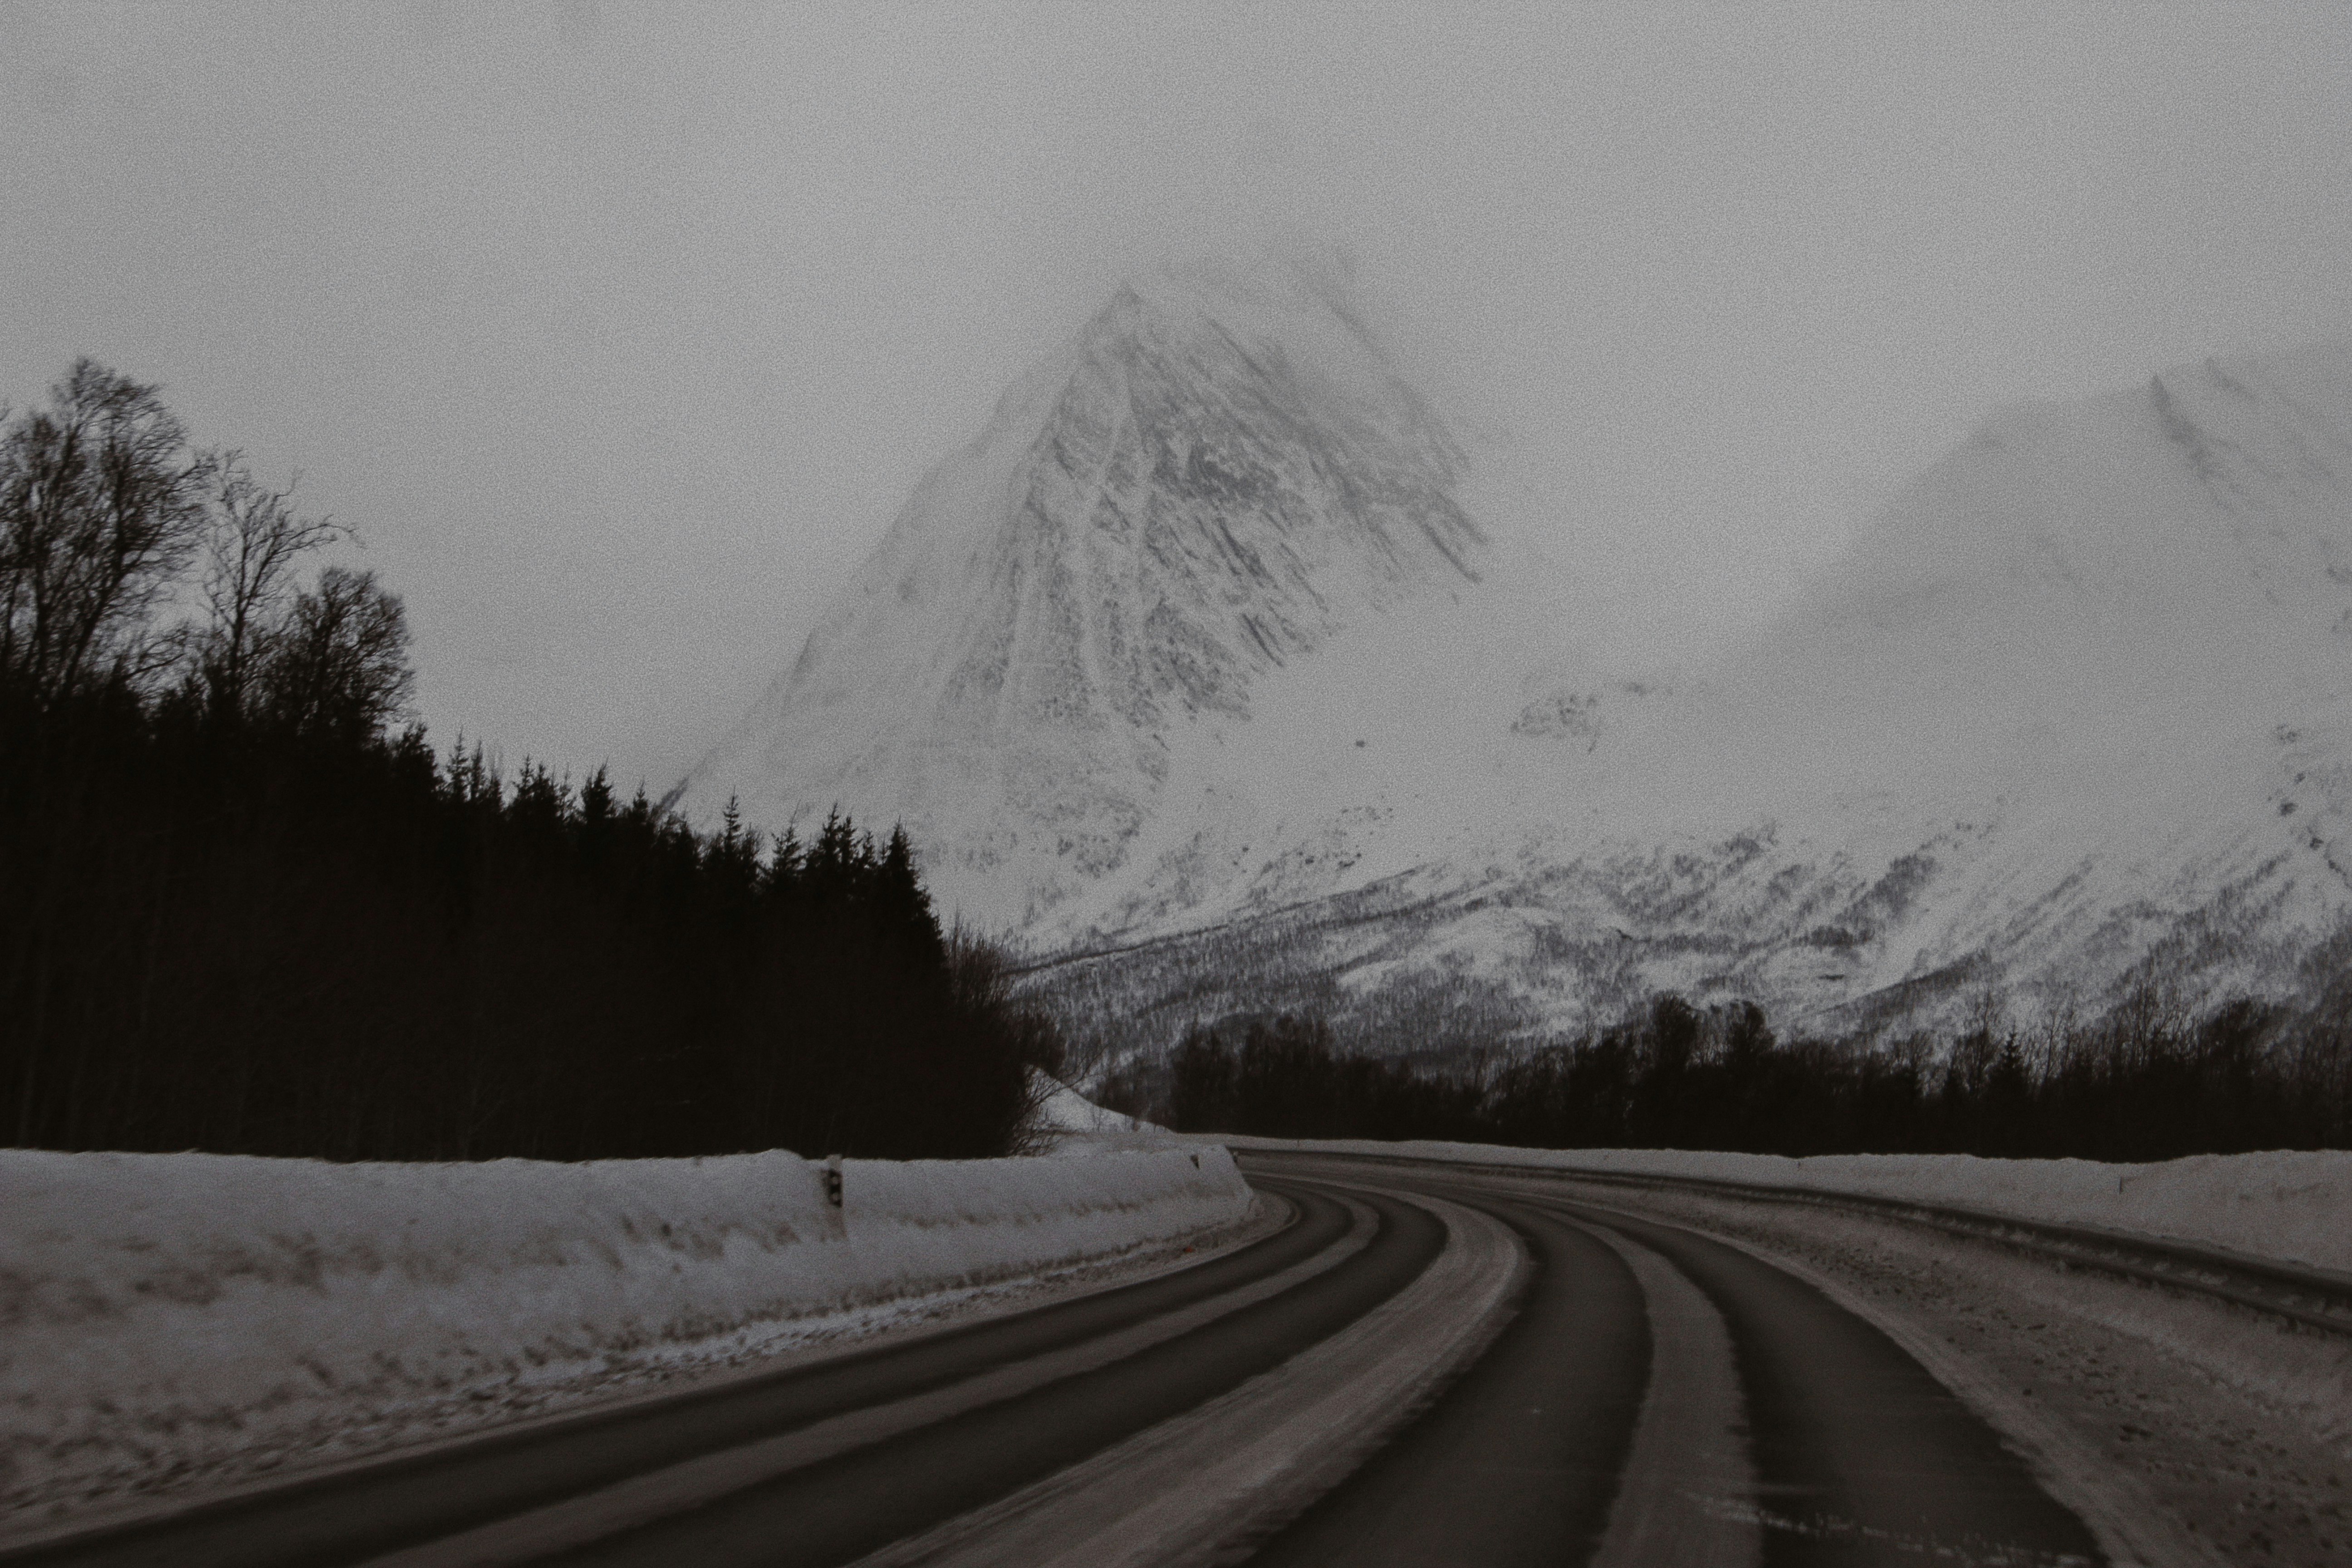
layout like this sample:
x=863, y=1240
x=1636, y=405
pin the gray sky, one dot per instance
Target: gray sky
x=620, y=337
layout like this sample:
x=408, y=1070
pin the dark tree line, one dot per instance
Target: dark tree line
x=240, y=913
x=1288, y=1079
x=2146, y=1082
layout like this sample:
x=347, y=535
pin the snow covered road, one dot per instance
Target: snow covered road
x=1427, y=1365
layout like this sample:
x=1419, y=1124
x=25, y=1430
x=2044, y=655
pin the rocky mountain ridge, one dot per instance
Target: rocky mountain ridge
x=1203, y=489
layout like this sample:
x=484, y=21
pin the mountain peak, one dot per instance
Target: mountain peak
x=1252, y=411
x=1219, y=473
x=1310, y=310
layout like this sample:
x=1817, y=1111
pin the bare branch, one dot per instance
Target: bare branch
x=101, y=507
x=253, y=539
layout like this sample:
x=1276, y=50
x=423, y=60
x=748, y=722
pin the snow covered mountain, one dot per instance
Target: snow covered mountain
x=1201, y=661
x=2078, y=708
x=1218, y=475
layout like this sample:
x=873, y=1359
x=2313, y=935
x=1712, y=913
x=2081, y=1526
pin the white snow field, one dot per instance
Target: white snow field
x=2285, y=1207
x=163, y=1314
x=1063, y=1113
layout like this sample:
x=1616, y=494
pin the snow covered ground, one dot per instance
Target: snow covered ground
x=1068, y=1125
x=164, y=1314
x=2288, y=1208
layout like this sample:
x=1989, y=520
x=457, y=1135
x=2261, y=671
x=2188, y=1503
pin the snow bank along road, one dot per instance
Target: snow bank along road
x=172, y=1320
x=1432, y=1365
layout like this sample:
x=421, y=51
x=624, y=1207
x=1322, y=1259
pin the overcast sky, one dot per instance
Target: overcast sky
x=620, y=337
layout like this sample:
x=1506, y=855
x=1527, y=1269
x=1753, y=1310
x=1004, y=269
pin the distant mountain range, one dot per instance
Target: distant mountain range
x=1199, y=673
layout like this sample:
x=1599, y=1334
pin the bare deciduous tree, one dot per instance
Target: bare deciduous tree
x=253, y=538
x=340, y=661
x=101, y=503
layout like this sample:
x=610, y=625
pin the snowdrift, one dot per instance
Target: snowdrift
x=186, y=1309
x=2285, y=1207
x=1068, y=1125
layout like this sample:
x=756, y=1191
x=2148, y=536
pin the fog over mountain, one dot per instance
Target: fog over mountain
x=1218, y=645
x=618, y=339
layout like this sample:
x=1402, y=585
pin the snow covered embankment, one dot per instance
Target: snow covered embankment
x=161, y=1312
x=2285, y=1207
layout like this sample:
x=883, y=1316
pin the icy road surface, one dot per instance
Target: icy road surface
x=1427, y=1366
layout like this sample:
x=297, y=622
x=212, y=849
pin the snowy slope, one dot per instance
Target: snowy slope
x=1203, y=658
x=2076, y=705
x=2084, y=680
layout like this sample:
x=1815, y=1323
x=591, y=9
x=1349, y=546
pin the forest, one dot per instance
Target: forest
x=2146, y=1081
x=245, y=909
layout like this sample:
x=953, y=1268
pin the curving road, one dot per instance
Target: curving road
x=1418, y=1368
x=1666, y=1398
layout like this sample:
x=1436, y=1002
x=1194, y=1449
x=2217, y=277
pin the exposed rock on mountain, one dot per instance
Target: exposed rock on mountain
x=1212, y=479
